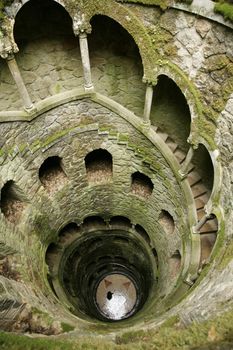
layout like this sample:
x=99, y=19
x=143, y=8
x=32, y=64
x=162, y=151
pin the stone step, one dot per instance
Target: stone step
x=163, y=135
x=180, y=155
x=198, y=190
x=201, y=201
x=171, y=144
x=209, y=227
x=193, y=178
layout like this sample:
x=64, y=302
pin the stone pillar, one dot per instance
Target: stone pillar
x=14, y=69
x=202, y=222
x=184, y=167
x=88, y=86
x=148, y=103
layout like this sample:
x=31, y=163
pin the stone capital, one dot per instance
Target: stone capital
x=149, y=82
x=81, y=25
x=7, y=48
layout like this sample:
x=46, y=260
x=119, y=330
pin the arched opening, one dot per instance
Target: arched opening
x=99, y=166
x=141, y=185
x=13, y=201
x=170, y=112
x=52, y=254
x=52, y=175
x=167, y=222
x=142, y=232
x=204, y=166
x=68, y=233
x=116, y=63
x=120, y=222
x=49, y=55
x=208, y=235
x=93, y=223
x=175, y=264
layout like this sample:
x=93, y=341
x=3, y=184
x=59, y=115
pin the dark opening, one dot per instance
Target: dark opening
x=49, y=56
x=170, y=111
x=175, y=264
x=120, y=221
x=108, y=265
x=204, y=166
x=51, y=174
x=141, y=185
x=167, y=221
x=69, y=233
x=93, y=222
x=12, y=201
x=41, y=19
x=99, y=166
x=142, y=233
x=109, y=295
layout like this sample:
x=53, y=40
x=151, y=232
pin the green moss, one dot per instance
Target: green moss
x=225, y=9
x=227, y=256
x=15, y=342
x=3, y=4
x=163, y=4
x=66, y=327
x=174, y=336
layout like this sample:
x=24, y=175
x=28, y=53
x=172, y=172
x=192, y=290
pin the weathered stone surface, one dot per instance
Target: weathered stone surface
x=199, y=50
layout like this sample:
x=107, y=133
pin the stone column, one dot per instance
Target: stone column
x=14, y=69
x=88, y=86
x=148, y=103
x=184, y=167
x=202, y=222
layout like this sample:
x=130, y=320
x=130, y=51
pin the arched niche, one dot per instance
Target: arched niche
x=98, y=166
x=49, y=56
x=141, y=185
x=52, y=175
x=204, y=167
x=166, y=221
x=175, y=264
x=120, y=221
x=142, y=232
x=116, y=63
x=39, y=19
x=170, y=111
x=13, y=201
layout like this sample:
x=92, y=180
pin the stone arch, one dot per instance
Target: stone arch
x=49, y=6
x=131, y=24
x=18, y=5
x=12, y=201
x=182, y=81
x=217, y=174
x=99, y=166
x=170, y=110
x=118, y=73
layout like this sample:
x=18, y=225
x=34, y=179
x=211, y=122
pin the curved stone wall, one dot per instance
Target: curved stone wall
x=114, y=162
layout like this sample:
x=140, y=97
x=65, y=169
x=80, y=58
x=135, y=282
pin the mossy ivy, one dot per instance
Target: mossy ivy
x=3, y=4
x=225, y=9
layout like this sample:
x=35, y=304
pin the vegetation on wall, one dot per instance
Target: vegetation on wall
x=225, y=8
x=163, y=4
x=212, y=334
x=3, y=4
